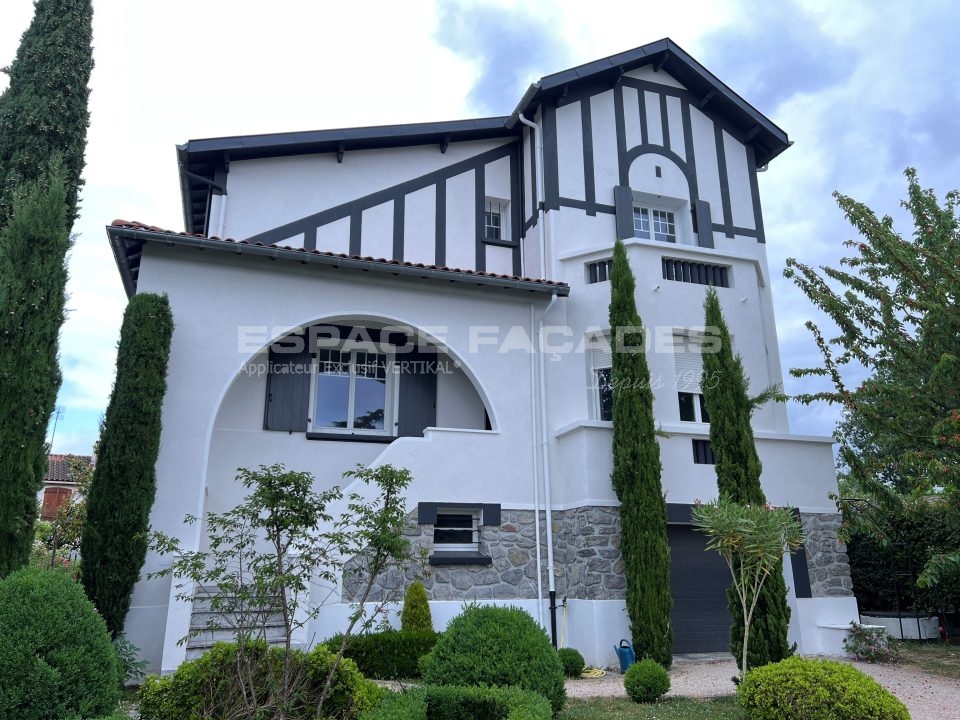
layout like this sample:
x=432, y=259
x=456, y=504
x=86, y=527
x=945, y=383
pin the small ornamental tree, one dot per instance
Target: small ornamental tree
x=636, y=475
x=415, y=615
x=266, y=554
x=43, y=112
x=738, y=468
x=752, y=540
x=114, y=541
x=33, y=278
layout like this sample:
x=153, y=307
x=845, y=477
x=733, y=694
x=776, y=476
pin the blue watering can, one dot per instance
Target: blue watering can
x=625, y=654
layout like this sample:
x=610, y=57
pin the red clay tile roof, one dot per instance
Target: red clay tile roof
x=58, y=467
x=135, y=225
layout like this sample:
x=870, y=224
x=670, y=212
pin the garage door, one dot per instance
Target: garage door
x=699, y=582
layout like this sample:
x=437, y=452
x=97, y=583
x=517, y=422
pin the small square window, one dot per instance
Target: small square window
x=598, y=272
x=703, y=453
x=456, y=530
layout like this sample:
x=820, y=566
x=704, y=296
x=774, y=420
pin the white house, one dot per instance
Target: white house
x=451, y=245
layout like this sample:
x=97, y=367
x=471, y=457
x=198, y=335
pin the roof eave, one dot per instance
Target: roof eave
x=118, y=234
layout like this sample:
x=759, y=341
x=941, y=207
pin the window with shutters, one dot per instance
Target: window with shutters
x=600, y=358
x=695, y=272
x=353, y=392
x=53, y=499
x=689, y=366
x=599, y=271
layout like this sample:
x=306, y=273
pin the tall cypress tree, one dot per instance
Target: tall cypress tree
x=636, y=476
x=33, y=278
x=738, y=479
x=114, y=543
x=43, y=112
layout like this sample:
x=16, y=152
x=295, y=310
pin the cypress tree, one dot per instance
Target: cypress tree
x=738, y=467
x=33, y=278
x=43, y=112
x=636, y=476
x=114, y=543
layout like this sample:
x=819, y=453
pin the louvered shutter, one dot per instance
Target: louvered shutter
x=689, y=363
x=623, y=204
x=704, y=224
x=288, y=392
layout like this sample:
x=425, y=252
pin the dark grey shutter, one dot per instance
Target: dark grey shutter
x=623, y=202
x=288, y=392
x=703, y=224
x=418, y=393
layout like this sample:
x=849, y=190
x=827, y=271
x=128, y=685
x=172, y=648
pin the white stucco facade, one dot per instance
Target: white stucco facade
x=423, y=202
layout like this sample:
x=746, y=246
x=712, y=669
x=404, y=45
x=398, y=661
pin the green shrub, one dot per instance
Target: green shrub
x=389, y=655
x=208, y=686
x=802, y=689
x=496, y=646
x=646, y=681
x=415, y=615
x=56, y=660
x=443, y=702
x=572, y=661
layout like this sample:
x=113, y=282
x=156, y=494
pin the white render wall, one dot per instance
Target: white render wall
x=213, y=416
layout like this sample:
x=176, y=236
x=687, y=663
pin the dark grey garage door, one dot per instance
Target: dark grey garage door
x=699, y=582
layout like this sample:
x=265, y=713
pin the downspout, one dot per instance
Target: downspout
x=541, y=390
x=535, y=451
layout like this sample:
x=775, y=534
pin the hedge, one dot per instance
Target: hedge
x=390, y=655
x=432, y=702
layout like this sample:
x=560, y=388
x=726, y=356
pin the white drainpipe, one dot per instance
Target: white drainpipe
x=541, y=391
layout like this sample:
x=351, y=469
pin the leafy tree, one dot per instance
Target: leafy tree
x=265, y=554
x=738, y=468
x=636, y=475
x=33, y=278
x=894, y=301
x=752, y=540
x=43, y=112
x=114, y=542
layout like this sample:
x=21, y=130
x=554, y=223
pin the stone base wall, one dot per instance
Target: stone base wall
x=827, y=562
x=587, y=563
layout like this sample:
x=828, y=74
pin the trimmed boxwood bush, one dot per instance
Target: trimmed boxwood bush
x=646, y=681
x=207, y=686
x=463, y=703
x=572, y=661
x=415, y=615
x=802, y=689
x=495, y=646
x=390, y=655
x=56, y=658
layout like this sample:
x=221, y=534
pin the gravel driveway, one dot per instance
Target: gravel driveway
x=927, y=697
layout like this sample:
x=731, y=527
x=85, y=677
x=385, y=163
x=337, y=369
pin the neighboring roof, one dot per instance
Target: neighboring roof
x=128, y=237
x=203, y=163
x=58, y=467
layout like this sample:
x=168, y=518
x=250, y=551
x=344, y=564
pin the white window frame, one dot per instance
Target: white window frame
x=678, y=207
x=391, y=393
x=697, y=412
x=501, y=207
x=473, y=546
x=599, y=354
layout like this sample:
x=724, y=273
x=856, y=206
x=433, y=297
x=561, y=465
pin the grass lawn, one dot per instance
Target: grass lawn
x=724, y=708
x=934, y=657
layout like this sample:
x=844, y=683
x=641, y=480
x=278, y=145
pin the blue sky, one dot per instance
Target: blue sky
x=864, y=89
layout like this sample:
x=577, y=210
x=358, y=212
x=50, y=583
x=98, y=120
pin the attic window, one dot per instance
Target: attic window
x=494, y=219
